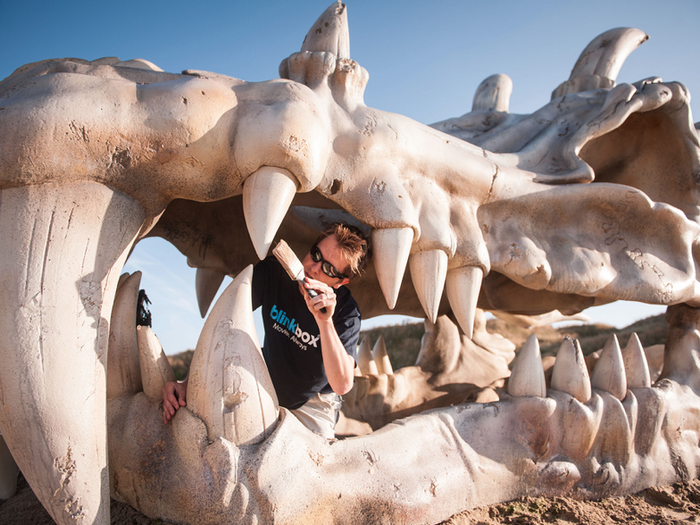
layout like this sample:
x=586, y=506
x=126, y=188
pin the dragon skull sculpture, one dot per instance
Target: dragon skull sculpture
x=591, y=199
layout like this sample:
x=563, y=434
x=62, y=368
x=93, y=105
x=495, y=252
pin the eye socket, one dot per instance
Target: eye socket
x=326, y=267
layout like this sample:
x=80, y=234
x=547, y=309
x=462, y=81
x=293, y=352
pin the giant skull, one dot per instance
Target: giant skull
x=591, y=199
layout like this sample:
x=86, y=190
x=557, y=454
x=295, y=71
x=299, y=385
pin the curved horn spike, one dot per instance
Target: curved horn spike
x=636, y=366
x=463, y=285
x=527, y=378
x=381, y=358
x=267, y=195
x=570, y=374
x=365, y=361
x=607, y=52
x=207, y=284
x=428, y=272
x=123, y=369
x=155, y=367
x=330, y=33
x=601, y=60
x=609, y=371
x=229, y=386
x=493, y=94
x=392, y=247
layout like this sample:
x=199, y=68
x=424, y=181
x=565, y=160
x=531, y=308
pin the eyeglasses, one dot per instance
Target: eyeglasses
x=327, y=267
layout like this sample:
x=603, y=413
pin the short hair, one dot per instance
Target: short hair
x=353, y=244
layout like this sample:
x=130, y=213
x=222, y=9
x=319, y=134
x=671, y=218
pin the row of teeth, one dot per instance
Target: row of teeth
x=266, y=191
x=267, y=196
x=615, y=372
x=373, y=361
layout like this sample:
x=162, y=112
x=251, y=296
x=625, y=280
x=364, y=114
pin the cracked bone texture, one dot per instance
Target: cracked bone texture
x=469, y=454
x=591, y=199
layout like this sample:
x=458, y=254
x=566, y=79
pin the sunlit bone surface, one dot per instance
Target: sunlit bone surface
x=554, y=216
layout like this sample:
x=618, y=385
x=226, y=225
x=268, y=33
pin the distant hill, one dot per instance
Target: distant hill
x=651, y=331
x=403, y=341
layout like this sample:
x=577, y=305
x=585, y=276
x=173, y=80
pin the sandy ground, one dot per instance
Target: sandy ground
x=679, y=504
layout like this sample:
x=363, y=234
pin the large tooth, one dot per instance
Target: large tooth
x=207, y=284
x=636, y=366
x=62, y=248
x=229, y=386
x=609, y=371
x=365, y=361
x=267, y=195
x=381, y=358
x=527, y=378
x=392, y=247
x=155, y=367
x=570, y=374
x=123, y=369
x=428, y=272
x=330, y=32
x=463, y=285
x=8, y=472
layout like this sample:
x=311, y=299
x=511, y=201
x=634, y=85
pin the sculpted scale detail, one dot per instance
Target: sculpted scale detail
x=94, y=156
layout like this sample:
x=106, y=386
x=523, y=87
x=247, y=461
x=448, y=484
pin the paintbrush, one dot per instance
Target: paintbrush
x=292, y=265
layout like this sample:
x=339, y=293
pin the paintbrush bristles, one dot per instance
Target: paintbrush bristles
x=289, y=261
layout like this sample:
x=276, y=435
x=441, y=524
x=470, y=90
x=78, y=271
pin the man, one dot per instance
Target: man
x=310, y=343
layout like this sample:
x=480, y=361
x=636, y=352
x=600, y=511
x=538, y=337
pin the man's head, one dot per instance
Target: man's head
x=339, y=255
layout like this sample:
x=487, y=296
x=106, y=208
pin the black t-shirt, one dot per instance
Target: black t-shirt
x=292, y=347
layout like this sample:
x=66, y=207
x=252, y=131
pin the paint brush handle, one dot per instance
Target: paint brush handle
x=312, y=294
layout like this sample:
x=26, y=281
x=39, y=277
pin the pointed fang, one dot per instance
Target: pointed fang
x=155, y=367
x=570, y=374
x=123, y=369
x=463, y=285
x=609, y=371
x=636, y=366
x=381, y=358
x=391, y=249
x=527, y=378
x=365, y=361
x=207, y=284
x=229, y=386
x=428, y=272
x=267, y=195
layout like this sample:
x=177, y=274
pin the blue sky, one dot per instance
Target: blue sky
x=425, y=60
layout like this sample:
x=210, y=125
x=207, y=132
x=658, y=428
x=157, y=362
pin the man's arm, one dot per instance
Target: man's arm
x=338, y=364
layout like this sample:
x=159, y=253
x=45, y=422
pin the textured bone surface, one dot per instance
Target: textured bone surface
x=469, y=454
x=591, y=199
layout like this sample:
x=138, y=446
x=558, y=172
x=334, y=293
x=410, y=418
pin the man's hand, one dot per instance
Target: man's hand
x=174, y=397
x=325, y=299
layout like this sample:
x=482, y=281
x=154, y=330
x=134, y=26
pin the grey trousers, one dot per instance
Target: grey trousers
x=319, y=414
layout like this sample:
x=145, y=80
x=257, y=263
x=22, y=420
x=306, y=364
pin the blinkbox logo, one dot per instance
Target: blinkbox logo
x=291, y=324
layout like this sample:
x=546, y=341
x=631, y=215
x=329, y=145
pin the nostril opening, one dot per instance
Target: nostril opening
x=336, y=187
